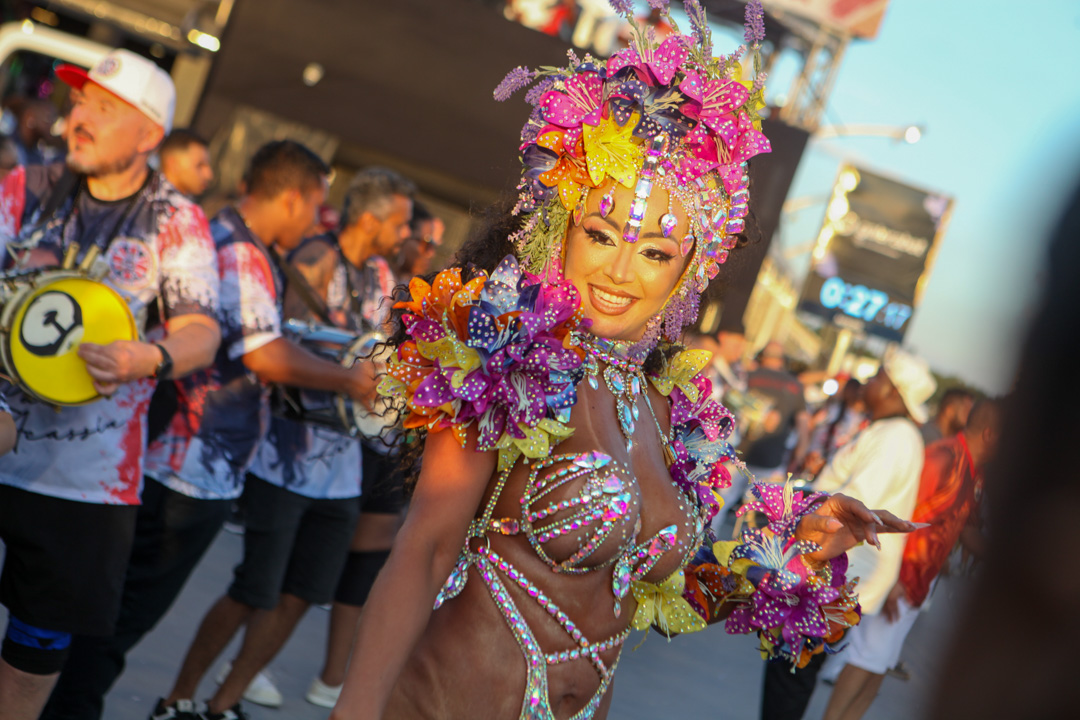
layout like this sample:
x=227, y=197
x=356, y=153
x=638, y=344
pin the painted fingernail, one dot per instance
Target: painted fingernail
x=876, y=518
x=918, y=526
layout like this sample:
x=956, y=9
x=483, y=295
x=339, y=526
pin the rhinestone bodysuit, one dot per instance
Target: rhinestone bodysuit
x=593, y=526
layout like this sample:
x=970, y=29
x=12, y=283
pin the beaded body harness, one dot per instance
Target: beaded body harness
x=604, y=513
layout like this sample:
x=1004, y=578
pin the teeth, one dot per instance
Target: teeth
x=607, y=297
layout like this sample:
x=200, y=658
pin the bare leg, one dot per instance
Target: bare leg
x=854, y=692
x=339, y=643
x=266, y=634
x=23, y=695
x=374, y=532
x=217, y=629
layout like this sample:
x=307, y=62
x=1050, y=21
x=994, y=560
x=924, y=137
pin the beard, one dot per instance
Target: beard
x=101, y=167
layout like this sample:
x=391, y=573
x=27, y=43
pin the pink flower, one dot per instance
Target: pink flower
x=657, y=66
x=718, y=99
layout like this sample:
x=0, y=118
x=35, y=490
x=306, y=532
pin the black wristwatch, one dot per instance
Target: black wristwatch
x=164, y=368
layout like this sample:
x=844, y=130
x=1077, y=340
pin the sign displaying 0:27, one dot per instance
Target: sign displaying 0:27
x=863, y=303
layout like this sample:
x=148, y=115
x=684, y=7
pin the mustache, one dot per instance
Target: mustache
x=82, y=132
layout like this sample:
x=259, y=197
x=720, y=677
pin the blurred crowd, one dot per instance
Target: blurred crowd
x=876, y=441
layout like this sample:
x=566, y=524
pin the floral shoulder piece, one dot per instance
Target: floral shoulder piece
x=495, y=352
x=700, y=427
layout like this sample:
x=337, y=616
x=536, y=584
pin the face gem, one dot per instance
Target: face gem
x=607, y=203
x=667, y=224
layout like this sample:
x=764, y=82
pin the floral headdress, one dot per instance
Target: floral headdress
x=656, y=113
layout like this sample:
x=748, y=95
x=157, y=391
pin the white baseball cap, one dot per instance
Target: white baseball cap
x=132, y=78
x=912, y=378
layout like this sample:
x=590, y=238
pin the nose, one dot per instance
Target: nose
x=621, y=268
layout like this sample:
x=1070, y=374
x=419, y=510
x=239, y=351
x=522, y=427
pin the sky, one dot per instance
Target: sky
x=997, y=86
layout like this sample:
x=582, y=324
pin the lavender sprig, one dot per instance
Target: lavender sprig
x=623, y=7
x=754, y=22
x=516, y=79
x=536, y=92
x=699, y=25
x=661, y=5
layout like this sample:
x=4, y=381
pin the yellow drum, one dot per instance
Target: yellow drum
x=43, y=322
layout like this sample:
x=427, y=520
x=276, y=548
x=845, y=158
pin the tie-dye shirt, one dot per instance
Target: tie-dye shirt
x=223, y=413
x=305, y=458
x=161, y=260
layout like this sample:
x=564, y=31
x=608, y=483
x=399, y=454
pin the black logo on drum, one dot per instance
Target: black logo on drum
x=52, y=324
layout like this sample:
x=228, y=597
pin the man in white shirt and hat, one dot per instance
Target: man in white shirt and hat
x=881, y=467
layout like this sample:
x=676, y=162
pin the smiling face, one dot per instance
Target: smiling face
x=623, y=284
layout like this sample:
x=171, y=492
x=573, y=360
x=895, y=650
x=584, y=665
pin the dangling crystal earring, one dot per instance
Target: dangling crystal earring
x=607, y=203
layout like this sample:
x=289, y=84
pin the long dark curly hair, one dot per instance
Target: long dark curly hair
x=482, y=252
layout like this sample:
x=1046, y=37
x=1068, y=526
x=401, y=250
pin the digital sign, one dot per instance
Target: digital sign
x=874, y=253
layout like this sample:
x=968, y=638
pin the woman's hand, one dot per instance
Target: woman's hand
x=841, y=522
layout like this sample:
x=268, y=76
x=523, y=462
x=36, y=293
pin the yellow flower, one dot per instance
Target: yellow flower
x=663, y=605
x=681, y=371
x=613, y=150
x=537, y=442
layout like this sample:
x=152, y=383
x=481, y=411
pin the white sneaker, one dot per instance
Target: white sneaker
x=322, y=694
x=261, y=691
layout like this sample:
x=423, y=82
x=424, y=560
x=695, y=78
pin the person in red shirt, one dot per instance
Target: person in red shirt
x=949, y=492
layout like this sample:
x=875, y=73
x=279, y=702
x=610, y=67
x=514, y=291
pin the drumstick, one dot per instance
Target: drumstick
x=89, y=258
x=69, y=256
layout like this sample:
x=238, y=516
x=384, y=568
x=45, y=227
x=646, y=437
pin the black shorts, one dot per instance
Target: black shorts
x=292, y=544
x=65, y=560
x=383, y=483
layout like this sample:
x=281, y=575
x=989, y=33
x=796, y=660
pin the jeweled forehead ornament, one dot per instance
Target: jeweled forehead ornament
x=643, y=189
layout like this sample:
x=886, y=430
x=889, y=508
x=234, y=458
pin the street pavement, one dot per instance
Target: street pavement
x=708, y=675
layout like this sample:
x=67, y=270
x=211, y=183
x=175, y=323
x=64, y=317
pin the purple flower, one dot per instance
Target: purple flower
x=623, y=7
x=516, y=79
x=661, y=5
x=538, y=90
x=754, y=23
x=699, y=25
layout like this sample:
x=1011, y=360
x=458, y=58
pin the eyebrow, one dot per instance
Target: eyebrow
x=650, y=235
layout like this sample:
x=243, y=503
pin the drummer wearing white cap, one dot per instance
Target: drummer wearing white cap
x=881, y=467
x=76, y=473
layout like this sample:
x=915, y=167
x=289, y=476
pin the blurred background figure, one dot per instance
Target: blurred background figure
x=9, y=156
x=882, y=466
x=949, y=492
x=765, y=447
x=951, y=417
x=841, y=418
x=185, y=162
x=33, y=136
x=328, y=220
x=771, y=407
x=416, y=252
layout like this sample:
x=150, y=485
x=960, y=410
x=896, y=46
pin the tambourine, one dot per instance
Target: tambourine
x=46, y=315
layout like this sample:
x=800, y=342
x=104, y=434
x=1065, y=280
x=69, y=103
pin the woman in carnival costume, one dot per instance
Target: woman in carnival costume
x=572, y=456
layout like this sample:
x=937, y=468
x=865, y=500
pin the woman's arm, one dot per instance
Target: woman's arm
x=450, y=489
